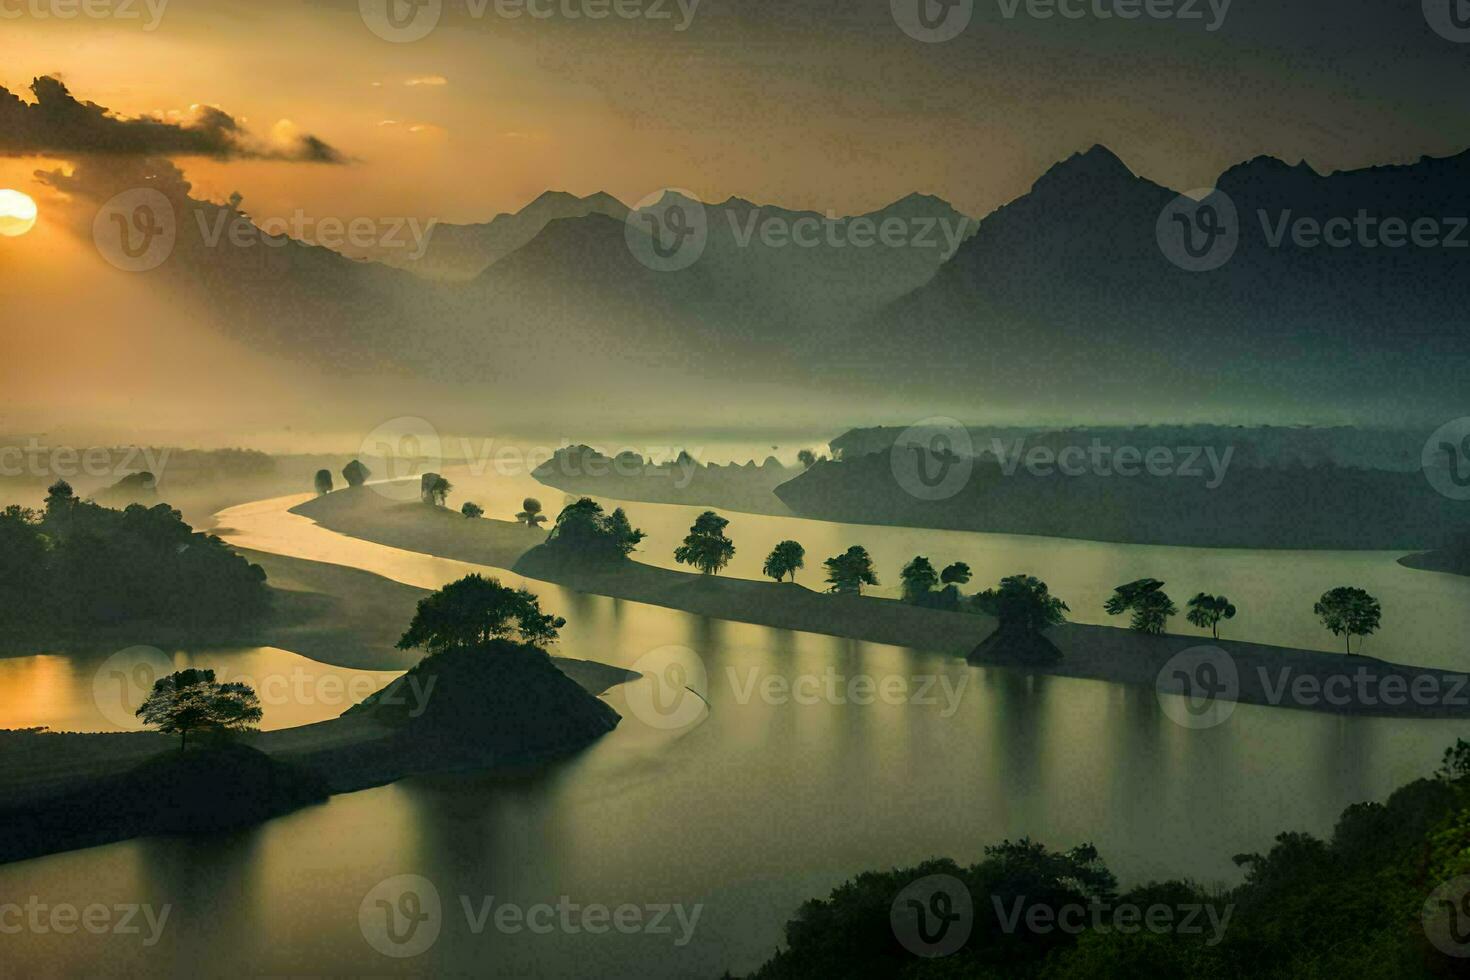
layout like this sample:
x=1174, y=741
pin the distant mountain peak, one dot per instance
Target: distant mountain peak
x=1087, y=169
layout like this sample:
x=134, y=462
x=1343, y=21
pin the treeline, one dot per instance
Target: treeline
x=1384, y=896
x=1248, y=507
x=78, y=564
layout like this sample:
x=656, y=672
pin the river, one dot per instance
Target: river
x=747, y=808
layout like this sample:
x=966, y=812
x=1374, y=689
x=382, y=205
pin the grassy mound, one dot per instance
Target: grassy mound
x=503, y=700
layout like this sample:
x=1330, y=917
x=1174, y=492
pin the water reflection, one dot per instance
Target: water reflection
x=764, y=802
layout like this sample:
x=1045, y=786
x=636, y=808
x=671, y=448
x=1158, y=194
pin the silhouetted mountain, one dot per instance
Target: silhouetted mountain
x=1067, y=293
x=464, y=251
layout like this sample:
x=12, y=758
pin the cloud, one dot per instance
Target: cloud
x=58, y=124
x=434, y=80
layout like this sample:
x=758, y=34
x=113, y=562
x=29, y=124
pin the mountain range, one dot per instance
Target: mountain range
x=1065, y=297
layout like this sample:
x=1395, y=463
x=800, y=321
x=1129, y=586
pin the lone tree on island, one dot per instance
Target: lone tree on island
x=705, y=546
x=1206, y=611
x=848, y=572
x=1147, y=600
x=355, y=473
x=475, y=610
x=1348, y=612
x=806, y=458
x=787, y=558
x=472, y=510
x=919, y=579
x=530, y=514
x=191, y=701
x=1022, y=604
x=323, y=482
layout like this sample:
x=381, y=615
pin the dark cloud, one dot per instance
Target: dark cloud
x=58, y=124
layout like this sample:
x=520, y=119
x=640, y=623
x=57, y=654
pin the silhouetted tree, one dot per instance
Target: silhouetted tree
x=530, y=514
x=192, y=701
x=474, y=610
x=59, y=500
x=1206, y=611
x=956, y=574
x=848, y=572
x=705, y=546
x=582, y=527
x=806, y=458
x=1147, y=600
x=323, y=482
x=787, y=558
x=355, y=473
x=918, y=578
x=1022, y=604
x=472, y=510
x=1348, y=612
x=434, y=489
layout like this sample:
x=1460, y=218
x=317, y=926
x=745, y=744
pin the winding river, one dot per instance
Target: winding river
x=760, y=801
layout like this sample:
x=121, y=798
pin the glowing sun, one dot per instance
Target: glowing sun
x=17, y=213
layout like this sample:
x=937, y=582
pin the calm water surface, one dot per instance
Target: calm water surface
x=758, y=803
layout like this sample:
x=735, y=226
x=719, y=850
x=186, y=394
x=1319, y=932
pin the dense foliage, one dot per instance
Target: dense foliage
x=473, y=611
x=583, y=528
x=1359, y=904
x=78, y=564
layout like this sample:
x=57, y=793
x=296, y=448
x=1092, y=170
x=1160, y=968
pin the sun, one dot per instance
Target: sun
x=17, y=213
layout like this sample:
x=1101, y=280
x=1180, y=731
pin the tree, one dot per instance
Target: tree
x=191, y=701
x=472, y=510
x=582, y=527
x=59, y=500
x=956, y=574
x=706, y=547
x=1022, y=604
x=323, y=482
x=530, y=514
x=475, y=610
x=787, y=558
x=434, y=489
x=919, y=579
x=355, y=473
x=1349, y=612
x=806, y=458
x=1206, y=611
x=848, y=572
x=1147, y=600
